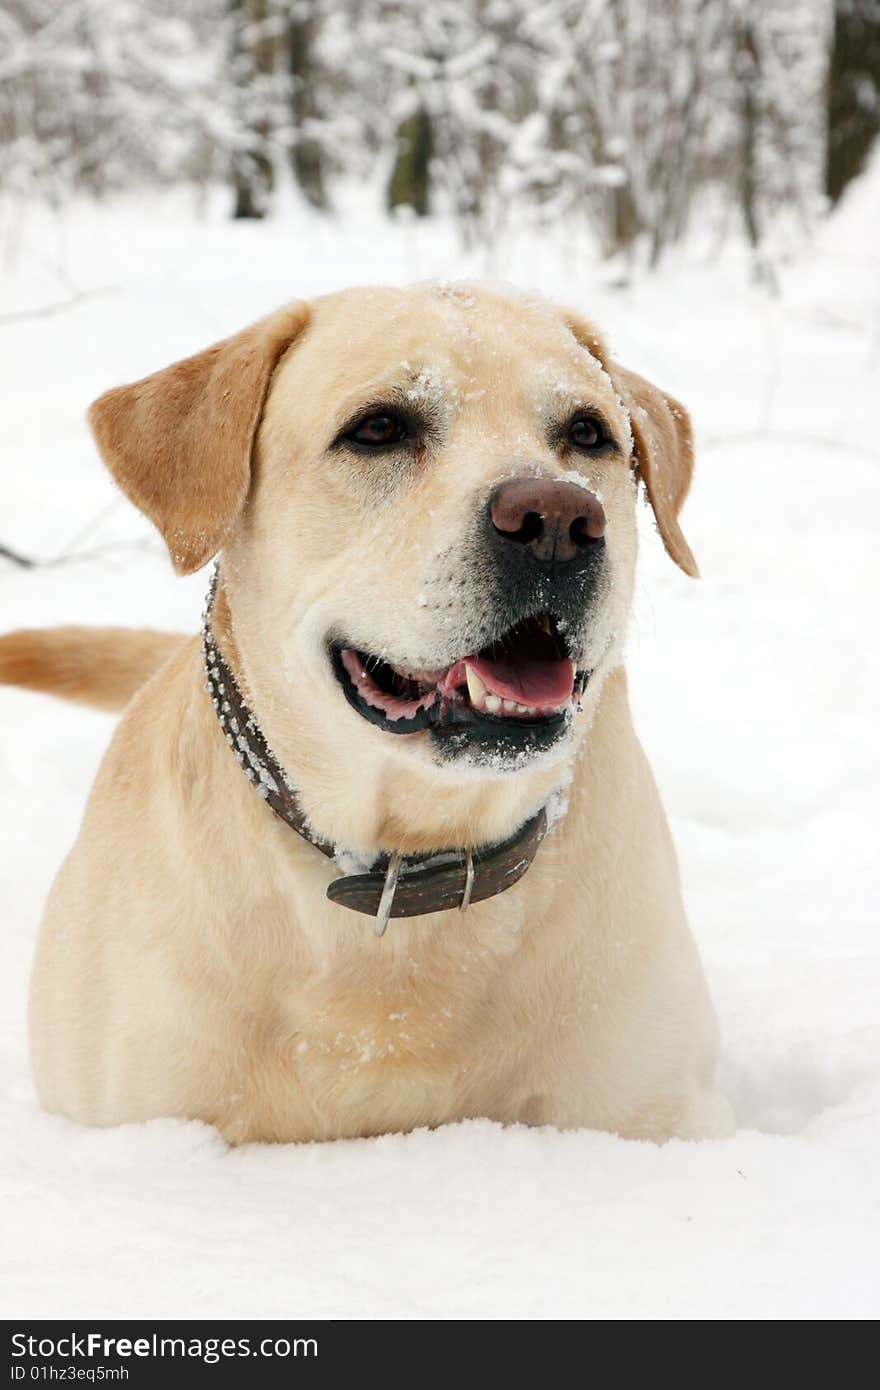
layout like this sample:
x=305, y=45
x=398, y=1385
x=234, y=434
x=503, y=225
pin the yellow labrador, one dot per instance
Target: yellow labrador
x=380, y=848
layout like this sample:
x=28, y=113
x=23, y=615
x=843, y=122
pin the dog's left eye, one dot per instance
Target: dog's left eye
x=378, y=431
x=586, y=432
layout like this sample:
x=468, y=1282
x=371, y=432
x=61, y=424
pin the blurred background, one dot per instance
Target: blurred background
x=635, y=122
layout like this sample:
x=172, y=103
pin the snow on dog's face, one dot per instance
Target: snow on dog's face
x=430, y=564
x=444, y=504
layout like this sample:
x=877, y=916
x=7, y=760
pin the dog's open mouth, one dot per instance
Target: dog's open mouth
x=524, y=683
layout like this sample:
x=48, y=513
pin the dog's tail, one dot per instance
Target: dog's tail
x=97, y=666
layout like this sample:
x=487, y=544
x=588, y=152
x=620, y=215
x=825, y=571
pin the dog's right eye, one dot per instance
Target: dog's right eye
x=378, y=431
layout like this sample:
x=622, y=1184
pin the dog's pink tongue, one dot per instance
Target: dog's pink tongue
x=532, y=674
x=539, y=684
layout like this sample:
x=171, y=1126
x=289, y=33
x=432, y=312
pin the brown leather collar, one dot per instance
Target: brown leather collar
x=395, y=886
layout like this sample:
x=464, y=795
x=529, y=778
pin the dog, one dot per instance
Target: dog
x=379, y=849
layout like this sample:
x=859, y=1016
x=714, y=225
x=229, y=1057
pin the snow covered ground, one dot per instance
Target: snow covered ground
x=756, y=695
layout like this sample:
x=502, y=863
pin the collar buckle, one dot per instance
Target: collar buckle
x=386, y=902
x=468, y=880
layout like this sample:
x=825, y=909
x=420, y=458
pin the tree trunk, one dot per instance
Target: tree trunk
x=410, y=178
x=748, y=73
x=625, y=223
x=853, y=92
x=306, y=156
x=254, y=55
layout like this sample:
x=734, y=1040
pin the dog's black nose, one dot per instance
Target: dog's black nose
x=557, y=522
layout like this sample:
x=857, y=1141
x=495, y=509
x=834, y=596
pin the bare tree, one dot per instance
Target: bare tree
x=253, y=64
x=853, y=91
x=307, y=153
x=98, y=96
x=410, y=182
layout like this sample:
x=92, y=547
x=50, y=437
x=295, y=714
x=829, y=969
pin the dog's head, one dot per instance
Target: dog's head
x=425, y=503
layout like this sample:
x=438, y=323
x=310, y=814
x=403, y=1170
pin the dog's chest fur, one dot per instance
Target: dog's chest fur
x=371, y=1042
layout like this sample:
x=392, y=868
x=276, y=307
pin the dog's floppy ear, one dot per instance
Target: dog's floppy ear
x=663, y=446
x=179, y=442
x=663, y=443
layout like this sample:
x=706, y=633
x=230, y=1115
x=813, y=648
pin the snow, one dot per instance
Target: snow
x=755, y=692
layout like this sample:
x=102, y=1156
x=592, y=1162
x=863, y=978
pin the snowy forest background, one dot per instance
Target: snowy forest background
x=633, y=120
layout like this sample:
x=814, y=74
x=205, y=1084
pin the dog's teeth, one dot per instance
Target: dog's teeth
x=510, y=704
x=476, y=688
x=532, y=709
x=522, y=709
x=493, y=704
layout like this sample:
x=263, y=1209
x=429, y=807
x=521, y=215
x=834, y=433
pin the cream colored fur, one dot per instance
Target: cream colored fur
x=189, y=962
